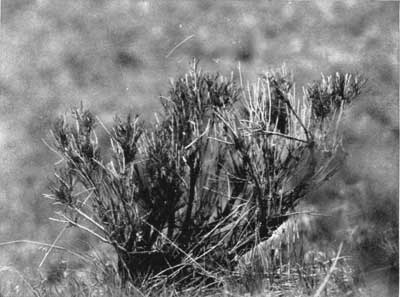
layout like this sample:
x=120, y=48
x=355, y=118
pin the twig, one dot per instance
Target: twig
x=89, y=219
x=178, y=45
x=83, y=228
x=306, y=131
x=52, y=245
x=270, y=133
x=220, y=140
x=311, y=213
x=104, y=126
x=200, y=136
x=44, y=244
x=227, y=124
x=326, y=279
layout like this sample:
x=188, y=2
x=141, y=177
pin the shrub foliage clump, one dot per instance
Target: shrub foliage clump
x=215, y=174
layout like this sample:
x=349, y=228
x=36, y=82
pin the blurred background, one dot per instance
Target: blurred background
x=116, y=55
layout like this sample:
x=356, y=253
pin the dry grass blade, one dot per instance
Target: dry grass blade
x=25, y=241
x=53, y=244
x=178, y=45
x=326, y=279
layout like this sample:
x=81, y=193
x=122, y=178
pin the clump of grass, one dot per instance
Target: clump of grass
x=216, y=173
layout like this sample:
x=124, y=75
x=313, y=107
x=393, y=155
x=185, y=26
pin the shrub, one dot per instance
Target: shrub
x=216, y=173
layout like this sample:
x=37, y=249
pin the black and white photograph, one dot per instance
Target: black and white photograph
x=199, y=148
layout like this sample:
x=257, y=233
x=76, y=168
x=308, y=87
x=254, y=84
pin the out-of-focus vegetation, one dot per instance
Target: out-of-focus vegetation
x=115, y=55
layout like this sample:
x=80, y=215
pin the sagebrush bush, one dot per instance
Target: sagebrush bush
x=215, y=173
